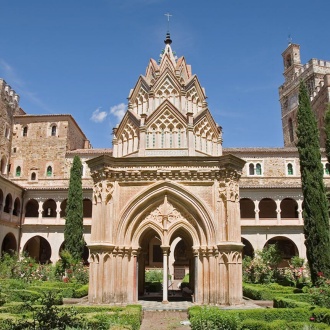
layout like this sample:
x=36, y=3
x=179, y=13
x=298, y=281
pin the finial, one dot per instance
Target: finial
x=168, y=40
x=289, y=39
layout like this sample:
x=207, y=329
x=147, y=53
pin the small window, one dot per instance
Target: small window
x=49, y=171
x=25, y=131
x=327, y=169
x=53, y=130
x=258, y=169
x=251, y=169
x=291, y=135
x=14, y=150
x=7, y=132
x=18, y=171
x=290, y=169
x=33, y=176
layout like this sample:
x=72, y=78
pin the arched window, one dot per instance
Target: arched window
x=327, y=169
x=288, y=61
x=291, y=136
x=251, y=169
x=54, y=130
x=179, y=138
x=163, y=138
x=49, y=171
x=290, y=169
x=258, y=169
x=25, y=131
x=153, y=138
x=33, y=176
x=18, y=171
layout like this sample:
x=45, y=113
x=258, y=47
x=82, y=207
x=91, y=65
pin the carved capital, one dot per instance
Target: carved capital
x=103, y=191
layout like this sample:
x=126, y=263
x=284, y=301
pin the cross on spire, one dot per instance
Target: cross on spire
x=168, y=20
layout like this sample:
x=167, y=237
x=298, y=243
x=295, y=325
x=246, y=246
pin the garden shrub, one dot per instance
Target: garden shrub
x=80, y=292
x=154, y=275
x=282, y=302
x=24, y=295
x=281, y=324
x=210, y=318
x=266, y=292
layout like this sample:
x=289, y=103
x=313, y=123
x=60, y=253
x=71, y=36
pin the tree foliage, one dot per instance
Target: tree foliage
x=315, y=207
x=73, y=232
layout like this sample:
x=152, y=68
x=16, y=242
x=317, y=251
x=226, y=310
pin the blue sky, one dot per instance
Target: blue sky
x=83, y=57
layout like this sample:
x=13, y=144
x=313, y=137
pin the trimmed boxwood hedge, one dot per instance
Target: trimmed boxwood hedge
x=267, y=292
x=280, y=324
x=199, y=316
x=282, y=302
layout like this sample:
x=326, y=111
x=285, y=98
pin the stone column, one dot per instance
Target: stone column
x=196, y=288
x=40, y=210
x=166, y=250
x=278, y=211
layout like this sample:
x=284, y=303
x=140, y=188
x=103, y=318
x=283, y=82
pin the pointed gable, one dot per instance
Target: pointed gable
x=165, y=115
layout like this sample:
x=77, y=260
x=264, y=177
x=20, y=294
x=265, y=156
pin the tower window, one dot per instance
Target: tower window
x=288, y=61
x=53, y=130
x=291, y=136
x=49, y=171
x=290, y=169
x=33, y=176
x=25, y=131
x=18, y=171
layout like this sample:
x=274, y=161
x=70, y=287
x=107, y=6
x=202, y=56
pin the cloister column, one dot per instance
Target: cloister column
x=166, y=250
x=278, y=211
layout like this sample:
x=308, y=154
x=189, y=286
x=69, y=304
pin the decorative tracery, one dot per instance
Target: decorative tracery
x=167, y=91
x=166, y=132
x=205, y=138
x=128, y=140
x=194, y=103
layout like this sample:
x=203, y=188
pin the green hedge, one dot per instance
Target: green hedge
x=261, y=317
x=282, y=302
x=81, y=292
x=267, y=292
x=23, y=295
x=280, y=324
x=94, y=317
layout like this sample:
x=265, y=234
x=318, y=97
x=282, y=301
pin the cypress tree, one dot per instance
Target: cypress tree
x=73, y=231
x=315, y=206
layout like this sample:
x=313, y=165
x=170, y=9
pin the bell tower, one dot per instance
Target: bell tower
x=291, y=61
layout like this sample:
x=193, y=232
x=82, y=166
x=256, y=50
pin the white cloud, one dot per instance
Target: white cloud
x=98, y=116
x=118, y=110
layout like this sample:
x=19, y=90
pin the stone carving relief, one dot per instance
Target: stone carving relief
x=103, y=191
x=168, y=211
x=229, y=189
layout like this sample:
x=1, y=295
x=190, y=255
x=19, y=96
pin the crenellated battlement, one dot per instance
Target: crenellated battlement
x=8, y=94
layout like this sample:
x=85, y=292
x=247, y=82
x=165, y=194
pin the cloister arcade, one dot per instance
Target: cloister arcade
x=257, y=218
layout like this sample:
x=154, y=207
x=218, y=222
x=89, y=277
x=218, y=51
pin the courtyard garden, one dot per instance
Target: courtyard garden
x=35, y=296
x=296, y=303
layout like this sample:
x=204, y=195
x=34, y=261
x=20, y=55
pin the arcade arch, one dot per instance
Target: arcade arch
x=287, y=248
x=32, y=209
x=38, y=248
x=9, y=244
